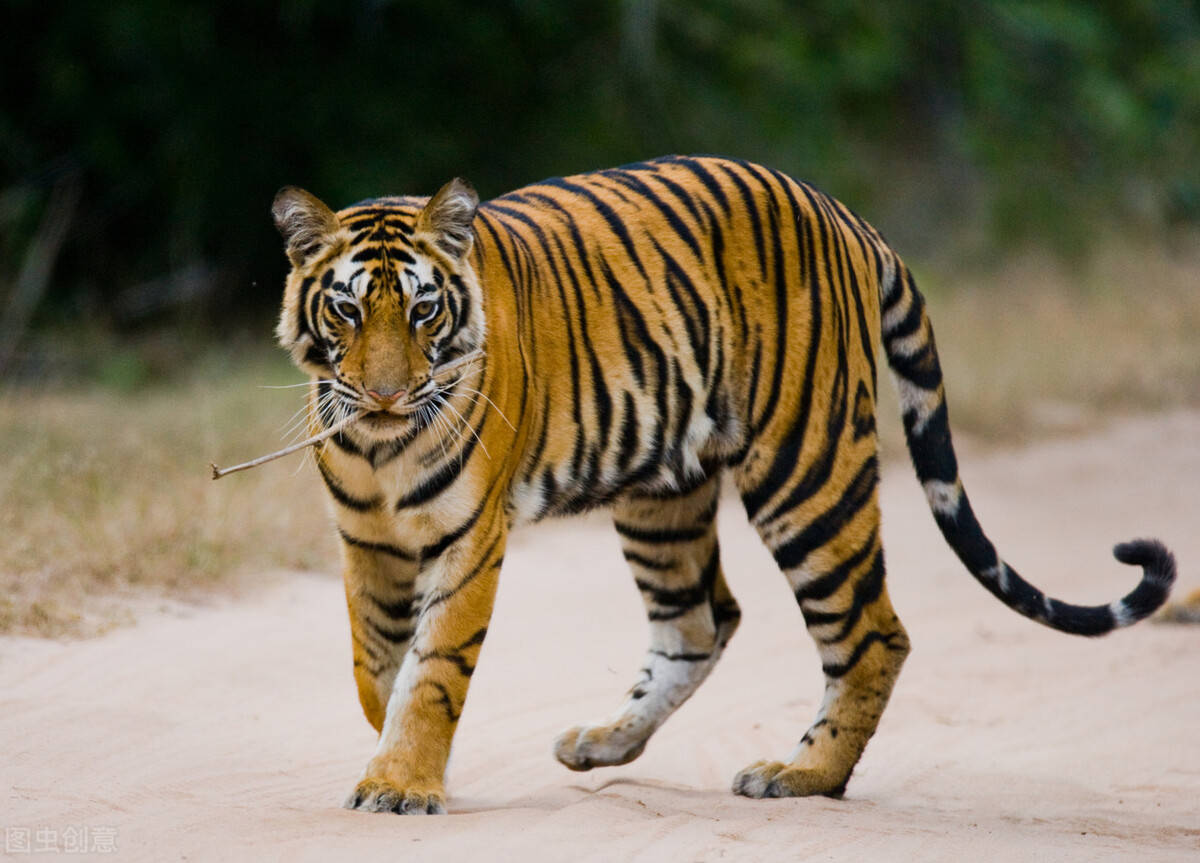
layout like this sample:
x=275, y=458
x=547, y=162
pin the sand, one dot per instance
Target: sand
x=232, y=732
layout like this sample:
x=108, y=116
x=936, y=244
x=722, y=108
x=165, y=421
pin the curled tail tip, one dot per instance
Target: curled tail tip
x=1158, y=574
x=1150, y=554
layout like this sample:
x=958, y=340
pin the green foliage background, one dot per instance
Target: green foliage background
x=1023, y=121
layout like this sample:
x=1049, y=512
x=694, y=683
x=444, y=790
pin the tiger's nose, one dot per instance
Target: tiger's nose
x=387, y=398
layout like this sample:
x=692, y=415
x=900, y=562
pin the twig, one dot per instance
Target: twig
x=218, y=472
x=446, y=368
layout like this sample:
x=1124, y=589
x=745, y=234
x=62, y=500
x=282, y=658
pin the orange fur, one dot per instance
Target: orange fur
x=642, y=330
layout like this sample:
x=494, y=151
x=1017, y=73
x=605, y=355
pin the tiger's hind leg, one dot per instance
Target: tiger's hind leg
x=671, y=545
x=827, y=542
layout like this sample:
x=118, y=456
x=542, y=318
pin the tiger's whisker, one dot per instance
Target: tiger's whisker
x=474, y=391
x=293, y=386
x=300, y=423
x=445, y=401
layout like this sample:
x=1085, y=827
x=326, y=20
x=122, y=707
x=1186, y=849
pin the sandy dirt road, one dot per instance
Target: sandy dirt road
x=233, y=732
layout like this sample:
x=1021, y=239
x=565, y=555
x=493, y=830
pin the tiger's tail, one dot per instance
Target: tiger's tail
x=912, y=355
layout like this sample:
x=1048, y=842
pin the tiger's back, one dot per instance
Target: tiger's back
x=686, y=302
x=639, y=331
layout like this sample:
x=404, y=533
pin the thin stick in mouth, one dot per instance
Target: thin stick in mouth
x=218, y=472
x=445, y=368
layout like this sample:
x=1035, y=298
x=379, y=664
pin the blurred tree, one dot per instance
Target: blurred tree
x=182, y=118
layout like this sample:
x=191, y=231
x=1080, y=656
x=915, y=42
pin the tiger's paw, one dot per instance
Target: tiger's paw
x=777, y=779
x=379, y=795
x=586, y=746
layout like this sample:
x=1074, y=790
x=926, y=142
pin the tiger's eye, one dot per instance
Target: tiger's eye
x=348, y=310
x=424, y=309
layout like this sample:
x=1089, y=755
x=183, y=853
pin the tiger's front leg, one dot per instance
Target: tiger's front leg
x=380, y=579
x=458, y=590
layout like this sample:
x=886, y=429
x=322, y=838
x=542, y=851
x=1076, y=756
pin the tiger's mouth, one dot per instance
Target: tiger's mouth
x=385, y=418
x=397, y=416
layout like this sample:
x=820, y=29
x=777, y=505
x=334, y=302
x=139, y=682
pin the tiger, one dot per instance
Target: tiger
x=624, y=339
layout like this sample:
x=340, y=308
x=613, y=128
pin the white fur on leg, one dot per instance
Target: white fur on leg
x=673, y=670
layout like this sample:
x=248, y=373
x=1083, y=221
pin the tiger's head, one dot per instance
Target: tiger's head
x=381, y=297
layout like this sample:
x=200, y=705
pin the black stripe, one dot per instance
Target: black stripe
x=660, y=535
x=380, y=547
x=476, y=571
x=504, y=259
x=393, y=635
x=434, y=485
x=339, y=494
x=615, y=223
x=367, y=254
x=787, y=456
x=314, y=303
x=445, y=701
x=726, y=612
x=569, y=314
x=680, y=597
x=378, y=661
x=819, y=618
x=910, y=323
x=827, y=585
x=697, y=169
x=633, y=353
x=400, y=609
x=782, y=304
x=315, y=356
x=435, y=549
x=821, y=468
x=543, y=435
x=696, y=319
x=751, y=207
x=641, y=341
x=453, y=655
x=921, y=369
x=602, y=401
x=840, y=670
x=648, y=563
x=382, y=453
x=932, y=450
x=682, y=404
x=629, y=433
x=683, y=196
x=676, y=223
x=866, y=590
x=864, y=412
x=673, y=614
x=682, y=657
x=828, y=524
x=302, y=328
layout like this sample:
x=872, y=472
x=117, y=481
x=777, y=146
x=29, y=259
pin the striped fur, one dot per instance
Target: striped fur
x=642, y=330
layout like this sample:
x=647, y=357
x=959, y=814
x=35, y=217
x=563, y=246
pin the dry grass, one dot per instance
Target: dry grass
x=108, y=500
x=108, y=504
x=1032, y=349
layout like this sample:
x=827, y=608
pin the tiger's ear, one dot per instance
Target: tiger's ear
x=307, y=225
x=446, y=219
